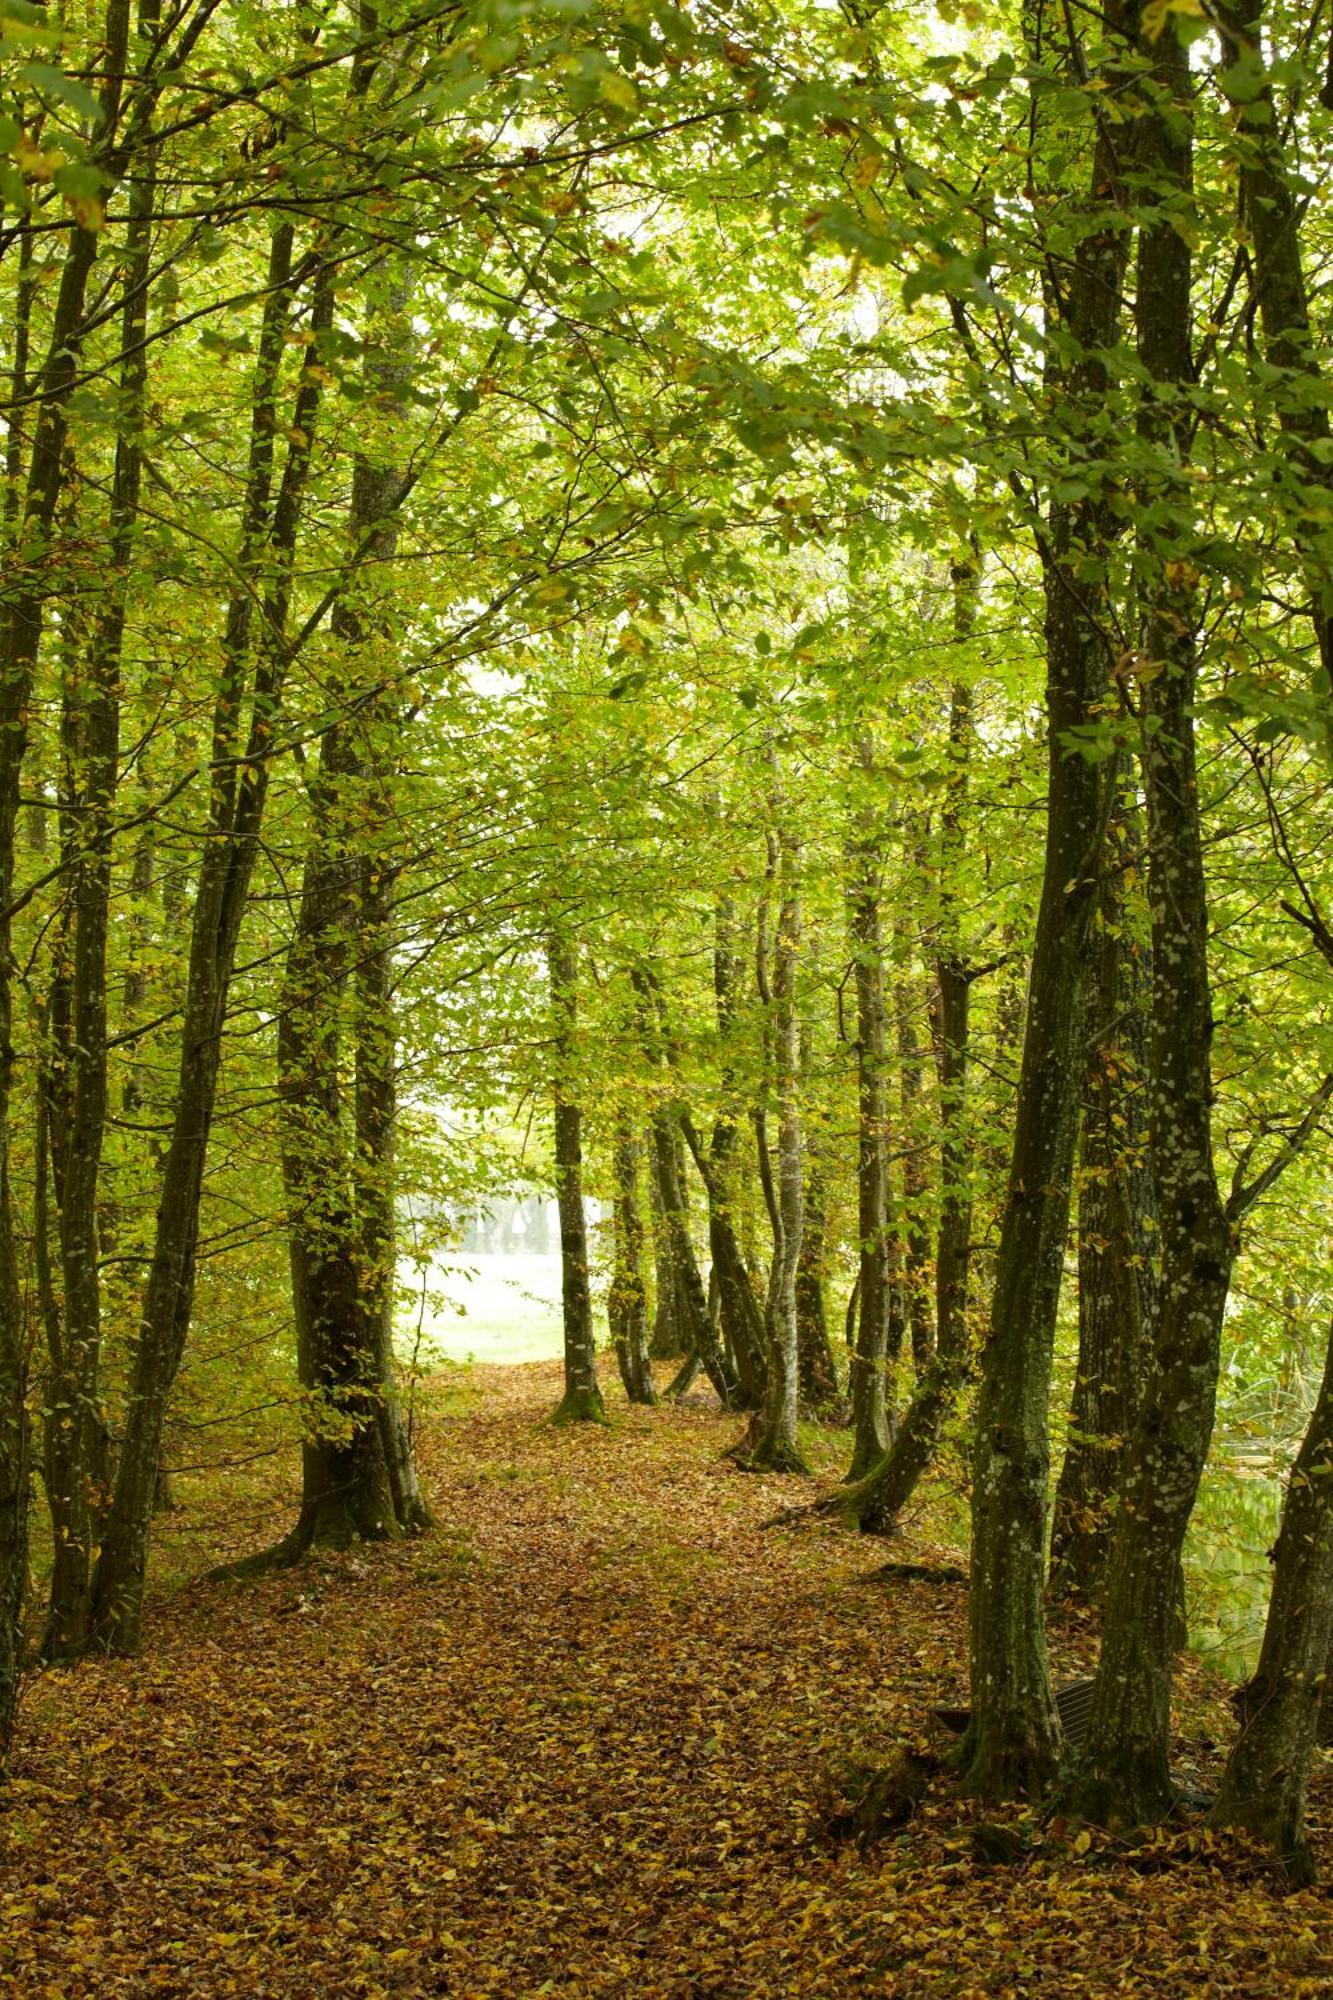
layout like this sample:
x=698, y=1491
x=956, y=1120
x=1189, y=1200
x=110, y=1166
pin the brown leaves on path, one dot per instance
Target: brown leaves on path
x=575, y=1744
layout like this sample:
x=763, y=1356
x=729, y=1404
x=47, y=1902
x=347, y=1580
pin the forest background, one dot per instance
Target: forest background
x=727, y=610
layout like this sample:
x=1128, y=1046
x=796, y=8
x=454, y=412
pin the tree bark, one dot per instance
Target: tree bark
x=776, y=1447
x=76, y=1439
x=817, y=1372
x=1124, y=1774
x=1012, y=1743
x=1264, y=1785
x=627, y=1301
x=1117, y=1234
x=875, y=1501
x=582, y=1400
x=239, y=793
x=31, y=520
x=872, y=1402
x=1273, y=214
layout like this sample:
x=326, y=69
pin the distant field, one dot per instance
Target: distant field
x=484, y=1306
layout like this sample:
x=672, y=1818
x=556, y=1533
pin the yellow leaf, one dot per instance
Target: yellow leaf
x=617, y=90
x=88, y=212
x=32, y=161
x=867, y=169
x=1158, y=12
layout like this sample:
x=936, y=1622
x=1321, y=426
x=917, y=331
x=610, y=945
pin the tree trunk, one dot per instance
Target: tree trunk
x=627, y=1301
x=1117, y=1236
x=871, y=1398
x=817, y=1371
x=374, y=1182
x=668, y=1335
x=875, y=1501
x=1263, y=1787
x=742, y=1316
x=76, y=1439
x=1012, y=1742
x=582, y=1400
x=1273, y=213
x=1124, y=1774
x=240, y=789
x=776, y=1447
x=698, y=1335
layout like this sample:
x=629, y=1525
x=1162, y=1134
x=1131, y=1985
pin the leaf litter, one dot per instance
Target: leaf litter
x=583, y=1740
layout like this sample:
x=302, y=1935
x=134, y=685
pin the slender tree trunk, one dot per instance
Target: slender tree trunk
x=1264, y=1785
x=914, y=1258
x=741, y=1314
x=817, y=1371
x=1013, y=1742
x=76, y=1442
x=699, y=1335
x=31, y=519
x=668, y=1338
x=776, y=1447
x=876, y=1500
x=359, y=1475
x=872, y=1402
x=582, y=1400
x=240, y=789
x=374, y=1182
x=1273, y=212
x=627, y=1302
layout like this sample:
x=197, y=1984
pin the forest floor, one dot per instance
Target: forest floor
x=577, y=1742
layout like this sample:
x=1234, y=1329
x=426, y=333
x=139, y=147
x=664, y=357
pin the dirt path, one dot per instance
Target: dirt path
x=572, y=1744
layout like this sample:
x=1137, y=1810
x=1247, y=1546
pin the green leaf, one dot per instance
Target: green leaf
x=67, y=89
x=77, y=178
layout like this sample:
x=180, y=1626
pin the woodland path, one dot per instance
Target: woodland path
x=570, y=1744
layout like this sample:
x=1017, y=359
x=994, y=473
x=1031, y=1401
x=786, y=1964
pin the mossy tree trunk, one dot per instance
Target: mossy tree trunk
x=241, y=768
x=668, y=1338
x=32, y=501
x=1117, y=1235
x=739, y=1310
x=76, y=1454
x=1123, y=1776
x=627, y=1301
x=1013, y=1742
x=1274, y=201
